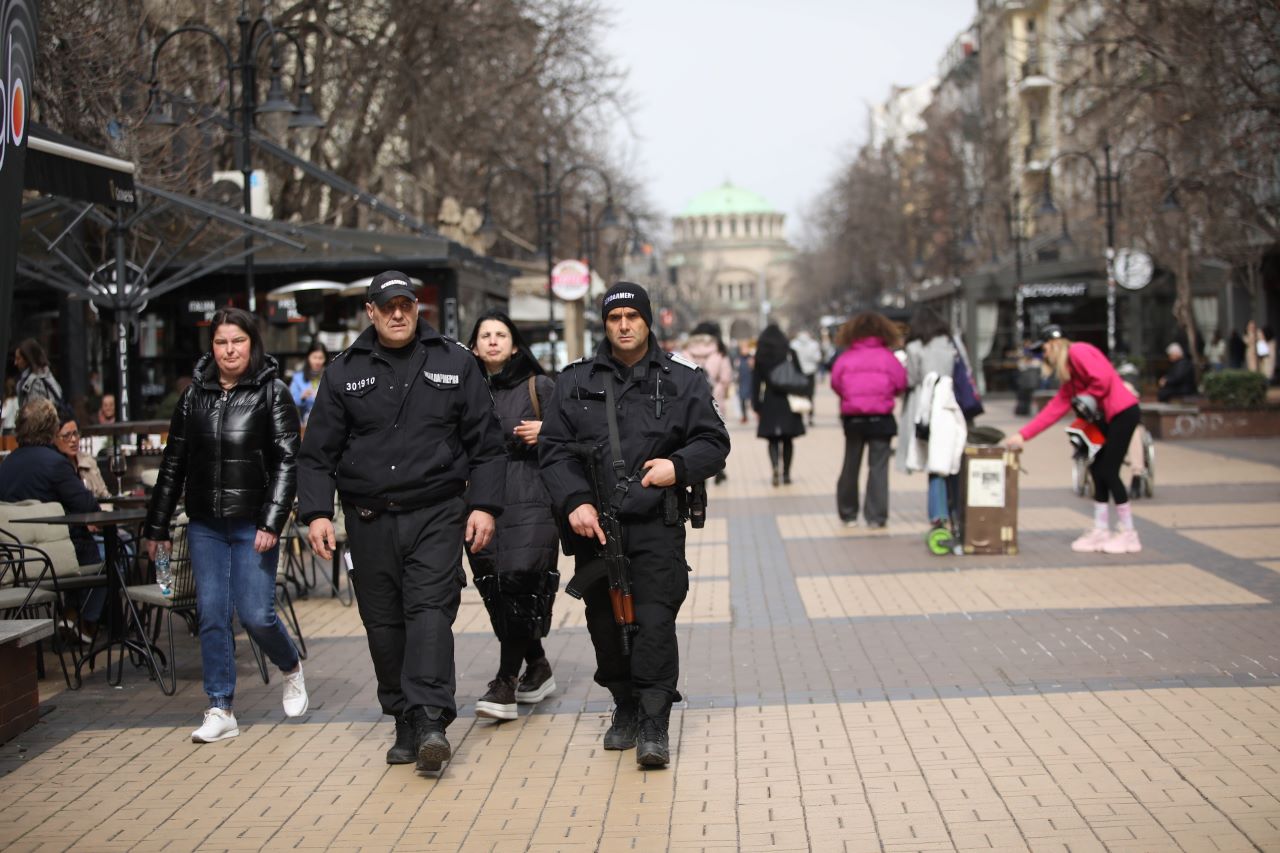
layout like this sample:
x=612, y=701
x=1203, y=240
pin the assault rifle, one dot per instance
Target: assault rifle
x=611, y=555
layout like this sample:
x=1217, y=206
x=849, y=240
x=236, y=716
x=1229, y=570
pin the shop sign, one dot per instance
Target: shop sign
x=283, y=311
x=570, y=280
x=199, y=311
x=1054, y=290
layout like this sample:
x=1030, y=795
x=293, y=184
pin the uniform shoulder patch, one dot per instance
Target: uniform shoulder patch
x=679, y=359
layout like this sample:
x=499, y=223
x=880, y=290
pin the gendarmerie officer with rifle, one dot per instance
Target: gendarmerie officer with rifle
x=624, y=451
x=404, y=426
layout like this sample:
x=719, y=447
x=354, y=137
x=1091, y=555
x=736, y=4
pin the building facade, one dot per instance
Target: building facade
x=730, y=262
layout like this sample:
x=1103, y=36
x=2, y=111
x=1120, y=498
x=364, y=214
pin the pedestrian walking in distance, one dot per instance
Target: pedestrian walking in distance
x=516, y=572
x=651, y=417
x=1091, y=386
x=705, y=349
x=779, y=425
x=403, y=427
x=868, y=378
x=232, y=452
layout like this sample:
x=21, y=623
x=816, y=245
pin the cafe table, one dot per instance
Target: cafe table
x=121, y=613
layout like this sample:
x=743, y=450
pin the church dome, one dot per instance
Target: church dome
x=727, y=199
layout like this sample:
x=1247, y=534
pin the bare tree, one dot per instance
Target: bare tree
x=420, y=97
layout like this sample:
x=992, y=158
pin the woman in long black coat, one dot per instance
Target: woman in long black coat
x=778, y=424
x=516, y=573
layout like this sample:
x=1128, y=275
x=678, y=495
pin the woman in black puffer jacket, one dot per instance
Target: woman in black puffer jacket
x=232, y=449
x=516, y=574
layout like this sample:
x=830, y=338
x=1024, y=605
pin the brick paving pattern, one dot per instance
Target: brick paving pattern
x=845, y=691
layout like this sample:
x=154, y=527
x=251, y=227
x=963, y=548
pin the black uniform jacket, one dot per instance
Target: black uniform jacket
x=385, y=447
x=665, y=411
x=234, y=452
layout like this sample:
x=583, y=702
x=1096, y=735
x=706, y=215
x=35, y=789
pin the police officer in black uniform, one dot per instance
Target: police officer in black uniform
x=672, y=436
x=403, y=425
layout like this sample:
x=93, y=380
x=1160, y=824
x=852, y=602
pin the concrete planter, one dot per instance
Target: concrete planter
x=1172, y=422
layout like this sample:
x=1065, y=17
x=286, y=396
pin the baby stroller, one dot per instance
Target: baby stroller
x=948, y=538
x=1086, y=437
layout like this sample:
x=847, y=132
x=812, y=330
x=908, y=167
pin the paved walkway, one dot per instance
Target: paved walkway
x=846, y=691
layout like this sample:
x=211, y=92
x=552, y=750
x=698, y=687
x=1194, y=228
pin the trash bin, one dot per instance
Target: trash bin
x=989, y=500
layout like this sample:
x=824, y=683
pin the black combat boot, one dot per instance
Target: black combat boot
x=651, y=741
x=429, y=743
x=622, y=733
x=402, y=751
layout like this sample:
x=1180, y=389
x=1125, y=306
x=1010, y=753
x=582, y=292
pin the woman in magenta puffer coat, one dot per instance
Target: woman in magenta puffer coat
x=868, y=378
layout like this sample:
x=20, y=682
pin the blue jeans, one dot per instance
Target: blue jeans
x=229, y=572
x=938, y=507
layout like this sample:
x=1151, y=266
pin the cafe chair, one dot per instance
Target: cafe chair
x=22, y=596
x=156, y=607
x=67, y=577
x=330, y=576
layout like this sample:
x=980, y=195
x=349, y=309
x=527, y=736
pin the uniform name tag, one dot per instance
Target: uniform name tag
x=358, y=384
x=442, y=378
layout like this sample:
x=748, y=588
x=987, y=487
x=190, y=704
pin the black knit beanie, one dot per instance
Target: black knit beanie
x=626, y=294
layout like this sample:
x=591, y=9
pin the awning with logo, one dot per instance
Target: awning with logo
x=60, y=166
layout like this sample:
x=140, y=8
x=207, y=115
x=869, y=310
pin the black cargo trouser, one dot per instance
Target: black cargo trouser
x=659, y=584
x=408, y=580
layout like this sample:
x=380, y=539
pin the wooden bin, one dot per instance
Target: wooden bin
x=989, y=500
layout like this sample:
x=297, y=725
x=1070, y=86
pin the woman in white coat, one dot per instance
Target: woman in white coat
x=935, y=427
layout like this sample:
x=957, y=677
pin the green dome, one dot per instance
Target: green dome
x=727, y=199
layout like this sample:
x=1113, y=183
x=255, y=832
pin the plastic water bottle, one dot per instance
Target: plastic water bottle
x=164, y=572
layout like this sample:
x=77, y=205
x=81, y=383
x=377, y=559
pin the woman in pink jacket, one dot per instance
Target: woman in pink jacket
x=868, y=378
x=1086, y=375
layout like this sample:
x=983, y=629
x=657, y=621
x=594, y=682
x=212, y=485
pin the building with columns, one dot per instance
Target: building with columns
x=730, y=261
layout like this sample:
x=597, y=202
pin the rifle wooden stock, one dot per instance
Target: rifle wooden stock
x=615, y=559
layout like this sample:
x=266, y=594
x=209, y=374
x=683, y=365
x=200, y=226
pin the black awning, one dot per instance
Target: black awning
x=61, y=166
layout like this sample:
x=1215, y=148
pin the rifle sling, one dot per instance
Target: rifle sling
x=621, y=485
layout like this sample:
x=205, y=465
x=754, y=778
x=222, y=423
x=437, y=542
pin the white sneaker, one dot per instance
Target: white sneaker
x=1092, y=540
x=295, y=694
x=218, y=725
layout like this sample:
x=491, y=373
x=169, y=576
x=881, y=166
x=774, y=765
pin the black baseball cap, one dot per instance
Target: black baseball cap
x=1047, y=333
x=388, y=285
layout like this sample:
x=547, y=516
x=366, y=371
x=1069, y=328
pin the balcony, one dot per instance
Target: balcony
x=1035, y=158
x=1033, y=80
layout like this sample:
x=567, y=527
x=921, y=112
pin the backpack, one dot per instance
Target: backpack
x=967, y=397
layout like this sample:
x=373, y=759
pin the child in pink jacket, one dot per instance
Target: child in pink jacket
x=1086, y=374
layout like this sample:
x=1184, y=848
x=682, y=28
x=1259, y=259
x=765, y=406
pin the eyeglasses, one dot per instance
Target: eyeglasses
x=66, y=436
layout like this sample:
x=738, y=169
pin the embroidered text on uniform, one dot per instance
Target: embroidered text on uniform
x=442, y=378
x=357, y=384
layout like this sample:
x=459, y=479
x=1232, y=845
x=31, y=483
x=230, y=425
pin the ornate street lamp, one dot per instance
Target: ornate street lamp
x=1107, y=194
x=243, y=107
x=548, y=211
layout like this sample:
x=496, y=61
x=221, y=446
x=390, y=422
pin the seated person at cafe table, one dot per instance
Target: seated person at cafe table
x=37, y=470
x=68, y=444
x=232, y=451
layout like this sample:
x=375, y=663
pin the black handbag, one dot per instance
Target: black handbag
x=786, y=378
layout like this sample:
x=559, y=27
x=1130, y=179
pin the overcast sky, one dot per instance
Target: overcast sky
x=769, y=94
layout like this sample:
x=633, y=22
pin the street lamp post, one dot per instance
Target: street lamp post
x=1107, y=197
x=1014, y=221
x=547, y=210
x=254, y=33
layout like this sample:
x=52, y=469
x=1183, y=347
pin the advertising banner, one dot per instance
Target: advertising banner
x=17, y=70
